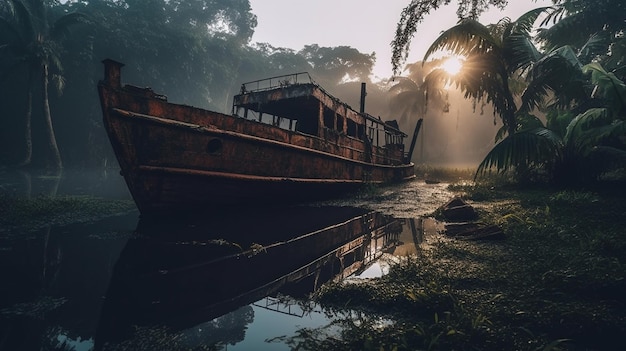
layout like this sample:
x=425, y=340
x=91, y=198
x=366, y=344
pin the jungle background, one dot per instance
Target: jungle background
x=195, y=52
x=542, y=94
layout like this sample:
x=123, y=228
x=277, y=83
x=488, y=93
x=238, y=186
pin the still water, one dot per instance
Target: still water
x=235, y=280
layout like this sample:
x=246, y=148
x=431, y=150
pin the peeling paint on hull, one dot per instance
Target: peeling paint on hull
x=177, y=157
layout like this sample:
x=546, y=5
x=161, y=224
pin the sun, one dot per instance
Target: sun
x=452, y=65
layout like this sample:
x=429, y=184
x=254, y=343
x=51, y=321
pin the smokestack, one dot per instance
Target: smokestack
x=363, y=93
x=113, y=73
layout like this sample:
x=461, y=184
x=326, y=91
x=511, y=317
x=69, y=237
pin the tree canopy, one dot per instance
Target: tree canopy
x=196, y=51
x=557, y=85
x=415, y=12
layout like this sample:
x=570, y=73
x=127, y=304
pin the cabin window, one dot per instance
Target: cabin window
x=329, y=119
x=371, y=132
x=352, y=128
x=340, y=120
x=307, y=126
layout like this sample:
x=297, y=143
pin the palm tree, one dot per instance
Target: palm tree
x=415, y=12
x=495, y=56
x=594, y=29
x=34, y=43
x=584, y=105
x=590, y=144
x=409, y=96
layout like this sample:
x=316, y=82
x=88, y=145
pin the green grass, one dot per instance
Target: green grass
x=32, y=213
x=556, y=282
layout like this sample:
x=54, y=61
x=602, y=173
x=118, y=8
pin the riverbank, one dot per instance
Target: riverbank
x=26, y=214
x=555, y=282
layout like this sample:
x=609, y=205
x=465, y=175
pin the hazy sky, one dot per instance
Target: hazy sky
x=366, y=25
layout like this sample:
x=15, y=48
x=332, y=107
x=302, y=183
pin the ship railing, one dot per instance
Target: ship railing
x=284, y=305
x=276, y=82
x=305, y=78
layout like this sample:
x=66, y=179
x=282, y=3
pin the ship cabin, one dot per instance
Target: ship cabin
x=296, y=103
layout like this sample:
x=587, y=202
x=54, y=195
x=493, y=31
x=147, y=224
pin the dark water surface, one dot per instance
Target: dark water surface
x=235, y=280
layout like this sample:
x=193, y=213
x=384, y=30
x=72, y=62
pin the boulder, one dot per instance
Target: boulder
x=457, y=210
x=461, y=224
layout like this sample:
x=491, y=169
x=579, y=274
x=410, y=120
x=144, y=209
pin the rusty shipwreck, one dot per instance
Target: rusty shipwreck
x=287, y=140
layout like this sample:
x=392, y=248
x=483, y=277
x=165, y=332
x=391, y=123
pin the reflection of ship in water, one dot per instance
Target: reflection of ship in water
x=197, y=270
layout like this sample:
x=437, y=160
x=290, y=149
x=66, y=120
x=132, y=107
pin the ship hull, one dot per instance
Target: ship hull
x=177, y=157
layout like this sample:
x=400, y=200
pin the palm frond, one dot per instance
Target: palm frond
x=584, y=122
x=519, y=43
x=616, y=62
x=501, y=133
x=557, y=73
x=23, y=17
x=59, y=83
x=586, y=139
x=609, y=87
x=61, y=27
x=10, y=34
x=413, y=101
x=558, y=120
x=468, y=36
x=525, y=22
x=483, y=77
x=527, y=121
x=500, y=29
x=528, y=148
x=16, y=27
x=553, y=15
x=403, y=84
x=520, y=52
x=436, y=79
x=574, y=21
x=595, y=46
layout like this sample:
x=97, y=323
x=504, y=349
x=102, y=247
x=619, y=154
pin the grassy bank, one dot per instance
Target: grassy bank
x=556, y=282
x=38, y=211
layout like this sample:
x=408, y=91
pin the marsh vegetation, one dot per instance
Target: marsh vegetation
x=555, y=282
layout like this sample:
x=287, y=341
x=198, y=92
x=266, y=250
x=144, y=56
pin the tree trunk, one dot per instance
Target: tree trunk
x=509, y=114
x=55, y=162
x=28, y=135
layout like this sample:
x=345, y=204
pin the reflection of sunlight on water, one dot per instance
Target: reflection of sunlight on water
x=268, y=324
x=277, y=320
x=413, y=199
x=377, y=269
x=426, y=229
x=75, y=345
x=105, y=239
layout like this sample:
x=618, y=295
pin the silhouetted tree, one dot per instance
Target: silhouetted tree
x=334, y=65
x=495, y=55
x=33, y=41
x=413, y=14
x=593, y=29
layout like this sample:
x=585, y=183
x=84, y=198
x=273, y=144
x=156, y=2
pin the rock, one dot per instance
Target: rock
x=457, y=210
x=462, y=226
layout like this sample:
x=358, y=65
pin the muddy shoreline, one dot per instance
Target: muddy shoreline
x=556, y=279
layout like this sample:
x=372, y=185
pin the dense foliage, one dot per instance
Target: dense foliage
x=414, y=13
x=197, y=52
x=557, y=85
